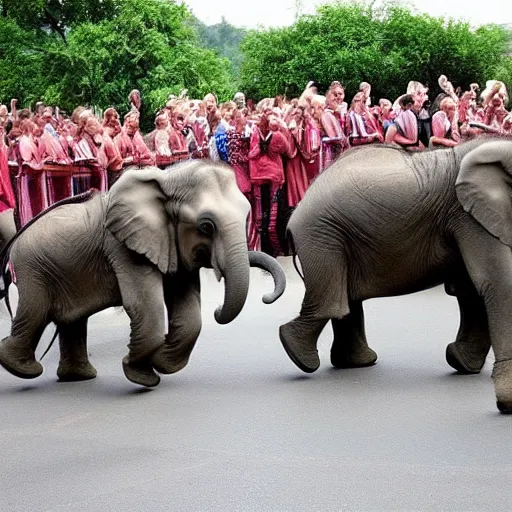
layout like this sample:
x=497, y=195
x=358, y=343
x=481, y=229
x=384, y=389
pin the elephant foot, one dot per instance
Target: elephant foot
x=21, y=362
x=301, y=349
x=360, y=358
x=165, y=362
x=72, y=372
x=465, y=358
x=140, y=372
x=502, y=377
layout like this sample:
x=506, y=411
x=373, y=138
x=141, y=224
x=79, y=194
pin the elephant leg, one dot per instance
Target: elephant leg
x=325, y=298
x=183, y=301
x=143, y=300
x=17, y=351
x=468, y=352
x=349, y=347
x=74, y=362
x=489, y=265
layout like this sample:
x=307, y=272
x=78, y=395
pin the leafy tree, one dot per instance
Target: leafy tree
x=145, y=44
x=57, y=16
x=224, y=39
x=21, y=63
x=386, y=47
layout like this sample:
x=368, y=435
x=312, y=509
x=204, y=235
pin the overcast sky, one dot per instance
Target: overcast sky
x=282, y=12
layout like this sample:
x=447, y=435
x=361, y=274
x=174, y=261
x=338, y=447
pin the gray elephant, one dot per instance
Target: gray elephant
x=382, y=222
x=139, y=246
x=7, y=227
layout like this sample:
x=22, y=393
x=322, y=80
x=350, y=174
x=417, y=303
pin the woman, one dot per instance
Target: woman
x=238, y=145
x=7, y=199
x=130, y=142
x=110, y=156
x=361, y=127
x=296, y=176
x=444, y=125
x=267, y=147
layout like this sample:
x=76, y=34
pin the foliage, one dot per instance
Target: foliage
x=224, y=39
x=21, y=63
x=57, y=16
x=355, y=42
x=71, y=52
x=143, y=44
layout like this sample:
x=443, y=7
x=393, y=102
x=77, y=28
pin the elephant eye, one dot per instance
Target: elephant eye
x=207, y=228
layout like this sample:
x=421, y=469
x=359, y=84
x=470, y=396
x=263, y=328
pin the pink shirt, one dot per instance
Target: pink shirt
x=29, y=152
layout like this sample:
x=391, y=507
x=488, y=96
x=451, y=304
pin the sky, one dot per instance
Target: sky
x=272, y=13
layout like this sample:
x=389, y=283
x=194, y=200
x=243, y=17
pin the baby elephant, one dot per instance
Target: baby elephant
x=383, y=221
x=139, y=246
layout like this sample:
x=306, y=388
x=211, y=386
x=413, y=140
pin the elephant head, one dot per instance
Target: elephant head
x=188, y=216
x=483, y=187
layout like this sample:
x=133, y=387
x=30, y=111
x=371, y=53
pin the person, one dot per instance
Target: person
x=135, y=100
x=361, y=127
x=161, y=135
x=238, y=145
x=239, y=99
x=403, y=131
x=111, y=158
x=177, y=140
x=334, y=141
x=28, y=149
x=335, y=99
x=130, y=143
x=445, y=131
x=50, y=144
x=267, y=147
x=7, y=197
x=295, y=170
x=31, y=186
x=385, y=114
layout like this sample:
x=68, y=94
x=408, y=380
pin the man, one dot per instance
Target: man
x=444, y=125
x=403, y=131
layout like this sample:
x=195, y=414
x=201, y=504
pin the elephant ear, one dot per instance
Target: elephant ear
x=484, y=187
x=137, y=217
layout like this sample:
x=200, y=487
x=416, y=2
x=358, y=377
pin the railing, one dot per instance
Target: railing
x=36, y=189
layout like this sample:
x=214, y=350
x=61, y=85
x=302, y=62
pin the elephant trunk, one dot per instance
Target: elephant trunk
x=230, y=259
x=264, y=261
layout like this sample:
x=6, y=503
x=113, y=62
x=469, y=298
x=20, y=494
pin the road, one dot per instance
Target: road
x=242, y=429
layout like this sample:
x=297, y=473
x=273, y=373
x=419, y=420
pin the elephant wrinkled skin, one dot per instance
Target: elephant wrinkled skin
x=139, y=246
x=381, y=222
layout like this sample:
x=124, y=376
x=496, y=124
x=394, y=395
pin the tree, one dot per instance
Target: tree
x=355, y=42
x=146, y=44
x=57, y=16
x=224, y=39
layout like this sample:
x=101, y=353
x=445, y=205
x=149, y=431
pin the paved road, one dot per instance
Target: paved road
x=242, y=429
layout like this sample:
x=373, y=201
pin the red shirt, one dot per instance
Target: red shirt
x=267, y=166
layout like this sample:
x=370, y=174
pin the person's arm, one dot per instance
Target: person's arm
x=254, y=151
x=439, y=131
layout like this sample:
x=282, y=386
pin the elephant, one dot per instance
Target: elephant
x=381, y=222
x=7, y=227
x=140, y=246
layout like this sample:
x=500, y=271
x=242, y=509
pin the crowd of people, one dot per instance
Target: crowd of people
x=276, y=147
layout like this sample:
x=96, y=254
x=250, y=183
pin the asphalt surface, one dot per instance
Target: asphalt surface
x=242, y=429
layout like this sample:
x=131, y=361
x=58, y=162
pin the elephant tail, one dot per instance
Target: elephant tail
x=293, y=253
x=5, y=282
x=51, y=343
